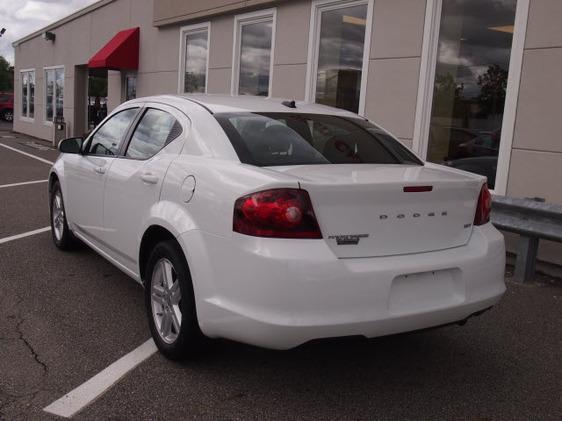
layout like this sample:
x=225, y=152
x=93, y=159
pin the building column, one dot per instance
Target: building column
x=114, y=90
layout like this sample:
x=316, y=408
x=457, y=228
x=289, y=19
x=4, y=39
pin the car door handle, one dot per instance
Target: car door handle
x=99, y=170
x=149, y=178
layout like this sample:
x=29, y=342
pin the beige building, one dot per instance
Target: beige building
x=471, y=83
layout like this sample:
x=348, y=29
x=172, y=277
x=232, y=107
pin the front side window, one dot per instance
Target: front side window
x=28, y=93
x=107, y=139
x=156, y=129
x=273, y=139
x=340, y=49
x=255, y=38
x=54, y=93
x=196, y=51
x=474, y=51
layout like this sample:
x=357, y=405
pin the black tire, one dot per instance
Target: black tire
x=64, y=240
x=8, y=115
x=190, y=340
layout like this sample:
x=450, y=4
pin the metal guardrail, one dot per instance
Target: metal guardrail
x=532, y=219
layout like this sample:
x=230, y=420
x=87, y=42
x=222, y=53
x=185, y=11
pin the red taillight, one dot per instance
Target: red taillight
x=484, y=206
x=279, y=213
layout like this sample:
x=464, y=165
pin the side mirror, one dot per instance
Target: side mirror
x=71, y=145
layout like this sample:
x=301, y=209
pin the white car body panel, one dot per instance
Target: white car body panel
x=132, y=188
x=86, y=179
x=371, y=200
x=280, y=293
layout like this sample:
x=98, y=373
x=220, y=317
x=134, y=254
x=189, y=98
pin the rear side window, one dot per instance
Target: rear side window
x=106, y=140
x=155, y=130
x=277, y=139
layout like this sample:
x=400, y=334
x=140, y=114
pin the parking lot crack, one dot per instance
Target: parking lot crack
x=30, y=347
x=19, y=331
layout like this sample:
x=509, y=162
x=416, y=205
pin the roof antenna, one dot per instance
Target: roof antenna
x=290, y=104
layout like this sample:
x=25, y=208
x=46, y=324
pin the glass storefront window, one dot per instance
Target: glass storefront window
x=50, y=94
x=474, y=51
x=31, y=87
x=255, y=58
x=54, y=93
x=59, y=101
x=28, y=93
x=24, y=90
x=340, y=56
x=97, y=97
x=195, y=71
x=130, y=87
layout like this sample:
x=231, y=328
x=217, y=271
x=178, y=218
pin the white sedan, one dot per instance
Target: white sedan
x=275, y=223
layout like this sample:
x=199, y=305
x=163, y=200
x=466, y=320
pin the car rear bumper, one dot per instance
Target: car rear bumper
x=281, y=293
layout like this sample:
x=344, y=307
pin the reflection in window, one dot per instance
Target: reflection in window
x=54, y=93
x=50, y=93
x=107, y=139
x=273, y=139
x=28, y=94
x=31, y=86
x=59, y=97
x=130, y=86
x=340, y=57
x=195, y=73
x=255, y=58
x=24, y=90
x=470, y=84
x=156, y=129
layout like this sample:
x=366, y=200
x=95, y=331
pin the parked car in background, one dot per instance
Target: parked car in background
x=7, y=106
x=275, y=222
x=451, y=137
x=483, y=165
x=485, y=144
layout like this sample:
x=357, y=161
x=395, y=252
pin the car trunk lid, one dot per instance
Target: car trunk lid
x=373, y=210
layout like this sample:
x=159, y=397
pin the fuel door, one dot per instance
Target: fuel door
x=188, y=188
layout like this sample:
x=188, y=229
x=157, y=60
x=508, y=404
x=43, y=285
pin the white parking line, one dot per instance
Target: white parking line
x=25, y=234
x=25, y=183
x=86, y=393
x=46, y=161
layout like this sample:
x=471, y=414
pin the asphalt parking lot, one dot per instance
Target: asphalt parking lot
x=64, y=317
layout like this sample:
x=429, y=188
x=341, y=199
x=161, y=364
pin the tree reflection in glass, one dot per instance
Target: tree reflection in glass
x=470, y=84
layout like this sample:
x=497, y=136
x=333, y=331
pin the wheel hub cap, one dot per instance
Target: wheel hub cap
x=165, y=297
x=58, y=216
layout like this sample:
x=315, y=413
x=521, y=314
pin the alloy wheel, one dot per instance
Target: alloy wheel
x=58, y=216
x=165, y=298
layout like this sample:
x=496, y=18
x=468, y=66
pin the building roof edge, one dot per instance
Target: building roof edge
x=60, y=22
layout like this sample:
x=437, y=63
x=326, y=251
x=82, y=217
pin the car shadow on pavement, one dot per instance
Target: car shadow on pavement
x=352, y=377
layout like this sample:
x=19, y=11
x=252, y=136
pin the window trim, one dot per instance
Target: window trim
x=26, y=117
x=317, y=8
x=249, y=18
x=428, y=65
x=184, y=31
x=46, y=122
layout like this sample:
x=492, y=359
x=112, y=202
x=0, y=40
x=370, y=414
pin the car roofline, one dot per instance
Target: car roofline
x=218, y=104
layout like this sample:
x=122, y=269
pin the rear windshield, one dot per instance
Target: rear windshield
x=273, y=139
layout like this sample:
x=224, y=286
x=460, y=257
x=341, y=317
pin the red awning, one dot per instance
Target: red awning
x=120, y=53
